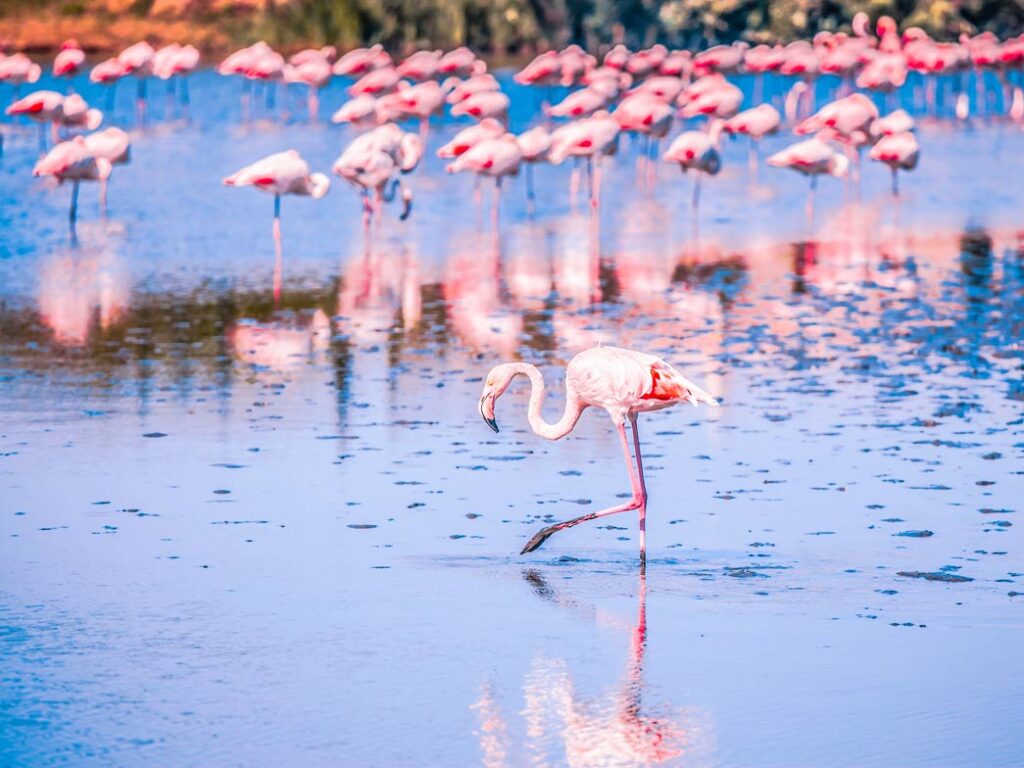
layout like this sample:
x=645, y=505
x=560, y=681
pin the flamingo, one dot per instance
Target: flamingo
x=107, y=73
x=72, y=161
x=420, y=66
x=376, y=82
x=137, y=60
x=461, y=62
x=467, y=138
x=483, y=105
x=69, y=59
x=591, y=138
x=625, y=383
x=460, y=90
x=582, y=103
x=756, y=123
x=496, y=158
x=18, y=69
x=174, y=60
x=361, y=112
x=811, y=157
x=75, y=113
x=371, y=161
x=312, y=70
x=112, y=145
x=895, y=122
x=359, y=61
x=697, y=151
x=900, y=152
x=534, y=145
x=647, y=62
x=283, y=173
x=721, y=100
x=43, y=107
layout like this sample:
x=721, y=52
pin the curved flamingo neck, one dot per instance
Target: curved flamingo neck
x=573, y=406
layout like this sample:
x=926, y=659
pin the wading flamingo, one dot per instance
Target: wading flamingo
x=623, y=382
x=812, y=157
x=112, y=145
x=900, y=152
x=69, y=60
x=72, y=161
x=283, y=173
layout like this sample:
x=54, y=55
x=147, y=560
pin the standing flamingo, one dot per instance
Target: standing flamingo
x=69, y=60
x=756, y=123
x=72, y=161
x=812, y=157
x=43, y=107
x=696, y=151
x=283, y=173
x=900, y=152
x=112, y=145
x=623, y=382
x=497, y=158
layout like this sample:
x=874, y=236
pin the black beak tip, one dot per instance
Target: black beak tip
x=492, y=424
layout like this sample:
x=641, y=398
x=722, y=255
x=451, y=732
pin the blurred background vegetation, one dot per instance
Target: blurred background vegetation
x=513, y=27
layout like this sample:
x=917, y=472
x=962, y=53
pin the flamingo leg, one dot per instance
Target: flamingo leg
x=103, y=196
x=643, y=493
x=895, y=183
x=530, y=196
x=639, y=500
x=314, y=104
x=73, y=213
x=277, y=252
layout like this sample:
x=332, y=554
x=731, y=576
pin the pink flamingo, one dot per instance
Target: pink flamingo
x=545, y=69
x=359, y=61
x=421, y=66
x=616, y=57
x=371, y=161
x=69, y=60
x=112, y=145
x=176, y=61
x=283, y=173
x=900, y=152
x=107, y=73
x=756, y=123
x=575, y=64
x=677, y=64
x=662, y=87
x=895, y=122
x=360, y=112
x=72, y=161
x=699, y=152
x=137, y=60
x=720, y=58
x=534, y=145
x=759, y=60
x=608, y=82
x=648, y=114
x=495, y=158
x=376, y=82
x=468, y=138
x=647, y=62
x=592, y=138
x=419, y=101
x=76, y=113
x=623, y=382
x=315, y=72
x=582, y=103
x=813, y=158
x=460, y=90
x=483, y=105
x=43, y=107
x=461, y=62
x=18, y=69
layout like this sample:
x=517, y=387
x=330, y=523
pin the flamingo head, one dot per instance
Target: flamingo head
x=495, y=384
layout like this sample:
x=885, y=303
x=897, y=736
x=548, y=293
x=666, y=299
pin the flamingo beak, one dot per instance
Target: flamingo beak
x=487, y=411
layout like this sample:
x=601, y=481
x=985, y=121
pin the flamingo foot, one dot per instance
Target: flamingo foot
x=539, y=538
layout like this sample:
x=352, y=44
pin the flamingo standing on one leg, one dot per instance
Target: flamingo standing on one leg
x=69, y=60
x=696, y=151
x=72, y=161
x=497, y=158
x=812, y=157
x=623, y=382
x=283, y=173
x=112, y=145
x=900, y=152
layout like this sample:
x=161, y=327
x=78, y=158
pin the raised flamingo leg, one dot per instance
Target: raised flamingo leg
x=643, y=493
x=639, y=499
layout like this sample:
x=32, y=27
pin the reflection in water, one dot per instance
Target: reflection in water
x=83, y=289
x=562, y=725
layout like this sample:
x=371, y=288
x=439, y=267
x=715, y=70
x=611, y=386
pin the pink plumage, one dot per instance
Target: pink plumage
x=624, y=383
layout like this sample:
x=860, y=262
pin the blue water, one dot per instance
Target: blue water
x=240, y=530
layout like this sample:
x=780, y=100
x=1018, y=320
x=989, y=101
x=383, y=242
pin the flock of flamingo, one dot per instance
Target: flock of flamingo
x=640, y=93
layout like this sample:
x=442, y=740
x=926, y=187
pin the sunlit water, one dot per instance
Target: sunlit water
x=251, y=516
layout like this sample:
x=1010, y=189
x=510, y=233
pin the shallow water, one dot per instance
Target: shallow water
x=251, y=516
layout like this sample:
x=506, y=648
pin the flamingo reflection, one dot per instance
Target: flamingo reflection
x=82, y=290
x=614, y=729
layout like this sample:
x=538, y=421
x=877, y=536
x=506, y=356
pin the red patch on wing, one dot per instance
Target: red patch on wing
x=648, y=120
x=474, y=111
x=460, y=149
x=662, y=389
x=264, y=181
x=34, y=108
x=488, y=164
x=585, y=143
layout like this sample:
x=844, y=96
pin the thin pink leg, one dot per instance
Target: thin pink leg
x=643, y=493
x=278, y=262
x=636, y=502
